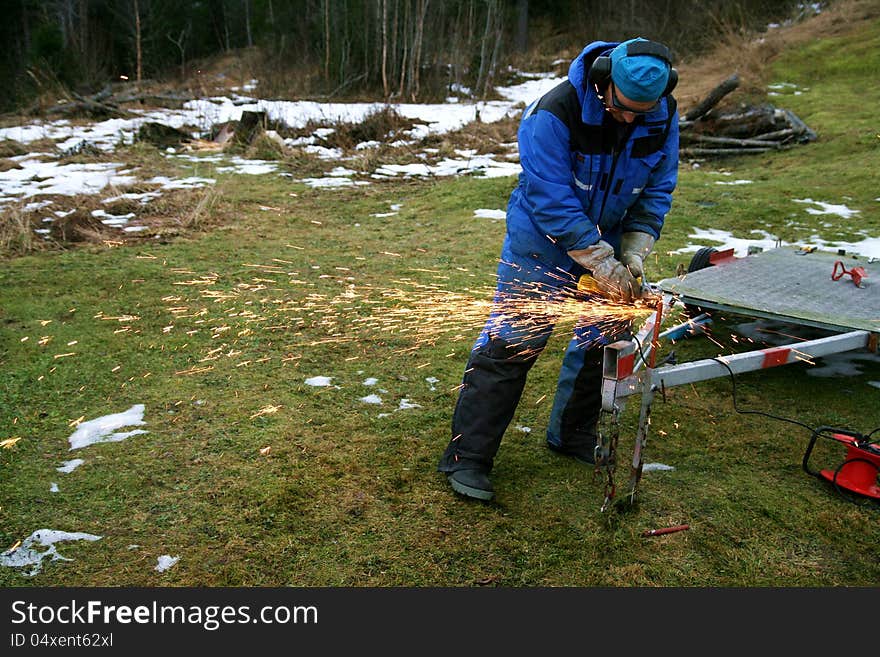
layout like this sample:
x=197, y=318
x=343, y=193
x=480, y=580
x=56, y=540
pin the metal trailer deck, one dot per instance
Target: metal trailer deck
x=784, y=284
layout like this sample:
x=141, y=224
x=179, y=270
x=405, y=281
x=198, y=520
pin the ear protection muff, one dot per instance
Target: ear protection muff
x=599, y=74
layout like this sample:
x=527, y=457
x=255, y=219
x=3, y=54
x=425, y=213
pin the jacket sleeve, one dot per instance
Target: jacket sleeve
x=545, y=157
x=648, y=213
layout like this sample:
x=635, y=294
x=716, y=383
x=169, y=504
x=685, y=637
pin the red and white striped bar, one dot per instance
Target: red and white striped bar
x=620, y=379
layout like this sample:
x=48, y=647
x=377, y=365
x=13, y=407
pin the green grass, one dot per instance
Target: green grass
x=346, y=498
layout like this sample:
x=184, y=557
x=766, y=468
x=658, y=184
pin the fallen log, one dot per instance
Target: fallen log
x=84, y=106
x=713, y=98
x=708, y=139
x=722, y=151
x=779, y=134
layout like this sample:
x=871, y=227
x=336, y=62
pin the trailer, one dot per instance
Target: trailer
x=836, y=292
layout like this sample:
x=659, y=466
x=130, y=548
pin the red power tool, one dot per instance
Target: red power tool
x=859, y=470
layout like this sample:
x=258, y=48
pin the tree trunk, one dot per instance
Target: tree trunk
x=521, y=43
x=327, y=41
x=250, y=126
x=385, y=89
x=83, y=27
x=403, y=59
x=417, y=48
x=25, y=28
x=137, y=39
x=247, y=22
x=484, y=47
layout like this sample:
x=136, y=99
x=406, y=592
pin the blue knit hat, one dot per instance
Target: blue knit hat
x=641, y=78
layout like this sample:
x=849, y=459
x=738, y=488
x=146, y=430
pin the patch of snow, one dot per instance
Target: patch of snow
x=827, y=208
x=485, y=213
x=26, y=554
x=727, y=240
x=371, y=399
x=71, y=465
x=655, y=467
x=165, y=562
x=319, y=381
x=100, y=429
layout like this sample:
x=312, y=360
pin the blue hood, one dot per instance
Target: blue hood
x=577, y=70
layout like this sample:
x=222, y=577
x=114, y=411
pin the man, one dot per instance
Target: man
x=599, y=155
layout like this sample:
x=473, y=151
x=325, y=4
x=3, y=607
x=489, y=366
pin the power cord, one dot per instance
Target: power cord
x=812, y=430
x=779, y=417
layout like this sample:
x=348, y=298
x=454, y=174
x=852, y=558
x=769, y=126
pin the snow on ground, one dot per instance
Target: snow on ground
x=69, y=466
x=165, y=562
x=869, y=247
x=27, y=553
x=37, y=177
x=99, y=430
x=102, y=429
x=656, y=467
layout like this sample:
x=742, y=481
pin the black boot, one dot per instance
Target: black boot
x=584, y=452
x=472, y=483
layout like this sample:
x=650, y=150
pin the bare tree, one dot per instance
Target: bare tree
x=326, y=39
x=385, y=89
x=521, y=41
x=247, y=22
x=139, y=68
x=417, y=48
x=180, y=42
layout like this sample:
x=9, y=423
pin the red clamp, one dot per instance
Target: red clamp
x=856, y=273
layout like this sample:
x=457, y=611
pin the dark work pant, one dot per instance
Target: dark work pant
x=492, y=386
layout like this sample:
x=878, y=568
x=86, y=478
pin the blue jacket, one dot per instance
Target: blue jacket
x=579, y=183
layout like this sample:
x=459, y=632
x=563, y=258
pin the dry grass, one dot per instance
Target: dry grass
x=176, y=213
x=11, y=148
x=6, y=165
x=78, y=227
x=203, y=210
x=382, y=125
x=748, y=54
x=17, y=235
x=484, y=138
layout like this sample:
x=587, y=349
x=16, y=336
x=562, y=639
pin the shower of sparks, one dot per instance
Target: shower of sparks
x=279, y=312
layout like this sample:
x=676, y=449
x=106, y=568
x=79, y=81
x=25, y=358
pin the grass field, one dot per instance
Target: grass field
x=253, y=477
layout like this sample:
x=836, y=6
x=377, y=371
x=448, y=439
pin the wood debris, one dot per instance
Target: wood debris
x=759, y=129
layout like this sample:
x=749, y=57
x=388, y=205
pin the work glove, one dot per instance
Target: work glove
x=634, y=248
x=611, y=276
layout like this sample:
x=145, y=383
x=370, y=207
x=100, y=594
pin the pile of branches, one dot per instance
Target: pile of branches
x=751, y=130
x=108, y=103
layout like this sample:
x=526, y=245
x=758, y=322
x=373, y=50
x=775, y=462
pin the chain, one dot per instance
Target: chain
x=606, y=459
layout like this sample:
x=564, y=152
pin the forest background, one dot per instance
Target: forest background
x=409, y=50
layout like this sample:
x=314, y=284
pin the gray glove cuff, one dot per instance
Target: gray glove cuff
x=592, y=256
x=637, y=244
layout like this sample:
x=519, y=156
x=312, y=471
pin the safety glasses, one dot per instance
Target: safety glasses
x=615, y=102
